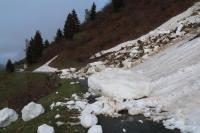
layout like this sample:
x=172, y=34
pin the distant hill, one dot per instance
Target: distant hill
x=109, y=29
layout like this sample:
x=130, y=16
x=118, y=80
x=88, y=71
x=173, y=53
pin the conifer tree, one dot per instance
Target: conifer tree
x=34, y=49
x=59, y=35
x=46, y=43
x=38, y=45
x=69, y=27
x=30, y=54
x=10, y=66
x=76, y=21
x=93, y=12
x=72, y=25
x=117, y=4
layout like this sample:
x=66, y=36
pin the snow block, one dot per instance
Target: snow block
x=45, y=129
x=7, y=116
x=88, y=120
x=31, y=111
x=118, y=83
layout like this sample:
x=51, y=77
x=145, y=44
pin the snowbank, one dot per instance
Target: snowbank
x=45, y=129
x=125, y=81
x=95, y=129
x=173, y=81
x=31, y=111
x=7, y=116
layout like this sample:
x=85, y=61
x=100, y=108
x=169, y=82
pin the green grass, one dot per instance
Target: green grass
x=16, y=86
x=66, y=90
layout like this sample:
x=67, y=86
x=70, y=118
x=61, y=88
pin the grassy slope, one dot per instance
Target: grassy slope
x=66, y=90
x=18, y=89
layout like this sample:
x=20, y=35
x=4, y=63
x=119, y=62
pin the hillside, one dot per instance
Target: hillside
x=156, y=75
x=147, y=82
x=109, y=29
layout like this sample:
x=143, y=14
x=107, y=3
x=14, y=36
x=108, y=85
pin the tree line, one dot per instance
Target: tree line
x=35, y=46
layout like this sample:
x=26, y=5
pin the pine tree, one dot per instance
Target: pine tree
x=59, y=35
x=38, y=45
x=46, y=44
x=30, y=53
x=117, y=4
x=34, y=49
x=93, y=12
x=10, y=66
x=76, y=21
x=69, y=27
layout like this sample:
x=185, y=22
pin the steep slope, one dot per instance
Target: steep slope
x=159, y=76
x=166, y=86
x=135, y=19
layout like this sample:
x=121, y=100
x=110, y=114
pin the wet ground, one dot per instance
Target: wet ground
x=132, y=124
x=127, y=123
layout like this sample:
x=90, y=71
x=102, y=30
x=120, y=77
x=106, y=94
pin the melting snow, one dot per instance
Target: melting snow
x=31, y=111
x=45, y=129
x=7, y=116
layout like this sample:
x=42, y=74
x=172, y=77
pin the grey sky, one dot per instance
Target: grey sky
x=19, y=19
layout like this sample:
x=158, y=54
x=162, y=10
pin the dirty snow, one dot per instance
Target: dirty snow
x=45, y=129
x=165, y=28
x=7, y=116
x=173, y=86
x=31, y=111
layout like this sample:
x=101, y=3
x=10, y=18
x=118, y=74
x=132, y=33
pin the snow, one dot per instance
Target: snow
x=140, y=121
x=59, y=123
x=172, y=80
x=31, y=111
x=95, y=129
x=45, y=129
x=88, y=120
x=46, y=67
x=57, y=116
x=166, y=28
x=163, y=86
x=124, y=130
x=124, y=82
x=7, y=116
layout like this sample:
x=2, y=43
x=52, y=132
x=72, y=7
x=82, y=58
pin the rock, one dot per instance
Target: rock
x=45, y=129
x=7, y=116
x=95, y=129
x=88, y=120
x=31, y=111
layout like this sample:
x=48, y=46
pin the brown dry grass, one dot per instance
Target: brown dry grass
x=109, y=29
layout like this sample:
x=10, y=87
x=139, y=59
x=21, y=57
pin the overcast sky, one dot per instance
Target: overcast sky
x=19, y=19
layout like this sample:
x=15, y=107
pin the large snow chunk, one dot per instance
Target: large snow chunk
x=31, y=111
x=119, y=83
x=7, y=116
x=95, y=129
x=88, y=120
x=45, y=129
